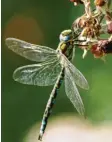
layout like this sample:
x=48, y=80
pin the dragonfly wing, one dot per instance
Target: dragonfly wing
x=30, y=51
x=42, y=74
x=72, y=91
x=79, y=78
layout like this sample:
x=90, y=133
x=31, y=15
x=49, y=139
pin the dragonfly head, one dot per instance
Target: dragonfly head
x=66, y=36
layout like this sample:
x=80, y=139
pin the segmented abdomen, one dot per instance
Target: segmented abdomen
x=50, y=104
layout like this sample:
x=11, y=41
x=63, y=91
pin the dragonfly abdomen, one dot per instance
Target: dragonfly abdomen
x=50, y=103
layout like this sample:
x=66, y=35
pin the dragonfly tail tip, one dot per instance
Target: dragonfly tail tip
x=40, y=137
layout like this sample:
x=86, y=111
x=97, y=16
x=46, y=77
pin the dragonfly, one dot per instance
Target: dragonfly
x=52, y=68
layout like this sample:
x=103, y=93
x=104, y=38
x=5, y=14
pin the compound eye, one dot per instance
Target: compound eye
x=64, y=38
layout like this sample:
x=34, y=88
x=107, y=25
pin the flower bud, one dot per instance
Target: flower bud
x=97, y=51
x=101, y=48
x=99, y=2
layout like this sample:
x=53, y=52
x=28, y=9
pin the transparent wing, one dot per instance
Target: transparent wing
x=30, y=51
x=42, y=74
x=72, y=92
x=78, y=77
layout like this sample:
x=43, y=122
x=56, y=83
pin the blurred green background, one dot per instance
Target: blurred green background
x=41, y=22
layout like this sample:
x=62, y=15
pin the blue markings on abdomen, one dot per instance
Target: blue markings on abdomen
x=50, y=104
